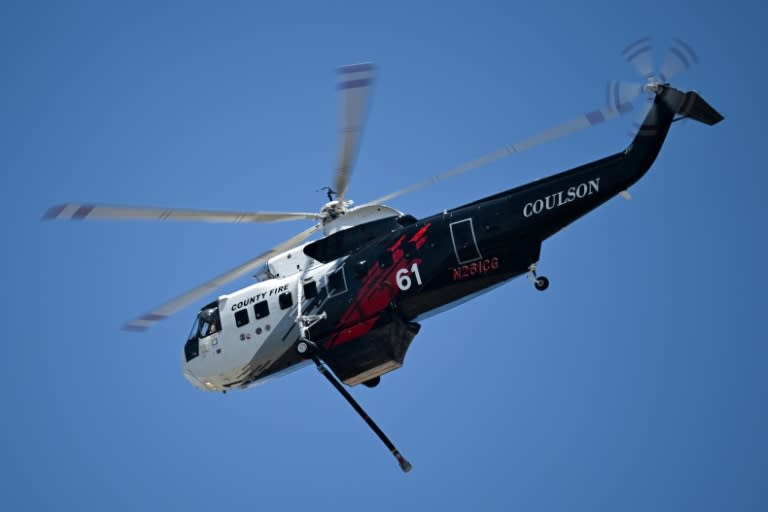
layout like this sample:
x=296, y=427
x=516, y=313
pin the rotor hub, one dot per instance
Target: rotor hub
x=654, y=86
x=334, y=209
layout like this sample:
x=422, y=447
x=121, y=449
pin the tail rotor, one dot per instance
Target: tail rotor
x=639, y=55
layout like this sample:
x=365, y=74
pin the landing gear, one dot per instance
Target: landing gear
x=372, y=383
x=311, y=350
x=306, y=348
x=541, y=283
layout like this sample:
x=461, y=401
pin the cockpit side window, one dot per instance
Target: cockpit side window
x=207, y=322
x=207, y=328
x=195, y=328
x=191, y=349
x=210, y=322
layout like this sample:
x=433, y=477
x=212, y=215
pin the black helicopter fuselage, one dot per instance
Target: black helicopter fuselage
x=399, y=271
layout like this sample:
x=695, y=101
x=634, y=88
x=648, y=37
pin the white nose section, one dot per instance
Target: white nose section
x=205, y=386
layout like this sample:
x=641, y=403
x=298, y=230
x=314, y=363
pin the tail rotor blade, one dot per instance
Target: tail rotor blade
x=619, y=92
x=679, y=58
x=640, y=56
x=580, y=123
x=644, y=115
x=355, y=84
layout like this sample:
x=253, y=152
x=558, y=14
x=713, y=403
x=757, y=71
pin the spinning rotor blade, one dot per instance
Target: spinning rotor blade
x=80, y=211
x=640, y=56
x=619, y=92
x=679, y=58
x=590, y=119
x=646, y=113
x=161, y=312
x=355, y=83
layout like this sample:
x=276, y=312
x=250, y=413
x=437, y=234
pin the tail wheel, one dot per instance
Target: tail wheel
x=542, y=283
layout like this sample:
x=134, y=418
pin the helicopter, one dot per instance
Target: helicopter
x=351, y=301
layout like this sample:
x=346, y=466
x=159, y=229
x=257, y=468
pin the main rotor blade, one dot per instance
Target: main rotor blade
x=161, y=312
x=590, y=119
x=355, y=83
x=81, y=211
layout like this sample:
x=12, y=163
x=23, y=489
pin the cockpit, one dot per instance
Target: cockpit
x=207, y=322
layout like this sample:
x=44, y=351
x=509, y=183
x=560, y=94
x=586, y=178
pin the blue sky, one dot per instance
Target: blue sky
x=636, y=382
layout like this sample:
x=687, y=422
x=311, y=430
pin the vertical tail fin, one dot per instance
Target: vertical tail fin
x=690, y=104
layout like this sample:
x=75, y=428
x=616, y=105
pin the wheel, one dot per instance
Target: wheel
x=542, y=283
x=306, y=348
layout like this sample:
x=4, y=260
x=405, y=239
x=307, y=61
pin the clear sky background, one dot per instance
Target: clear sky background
x=636, y=382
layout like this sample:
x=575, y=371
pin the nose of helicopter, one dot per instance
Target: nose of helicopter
x=192, y=378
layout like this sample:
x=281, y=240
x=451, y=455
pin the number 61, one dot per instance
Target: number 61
x=403, y=277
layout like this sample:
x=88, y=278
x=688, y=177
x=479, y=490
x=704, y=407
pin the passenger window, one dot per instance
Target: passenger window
x=261, y=309
x=337, y=283
x=310, y=290
x=286, y=300
x=241, y=317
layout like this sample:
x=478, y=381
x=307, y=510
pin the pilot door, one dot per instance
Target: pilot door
x=464, y=241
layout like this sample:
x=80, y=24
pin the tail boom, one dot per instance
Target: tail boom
x=550, y=204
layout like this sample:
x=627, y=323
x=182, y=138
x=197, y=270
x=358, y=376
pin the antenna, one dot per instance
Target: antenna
x=330, y=192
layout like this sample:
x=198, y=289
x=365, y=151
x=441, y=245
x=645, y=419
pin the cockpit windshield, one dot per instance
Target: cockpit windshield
x=207, y=322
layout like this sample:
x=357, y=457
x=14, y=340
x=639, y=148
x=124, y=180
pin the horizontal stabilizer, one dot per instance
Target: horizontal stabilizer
x=695, y=107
